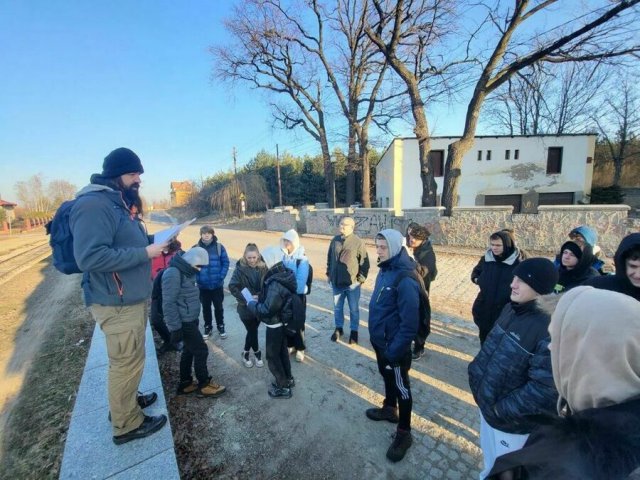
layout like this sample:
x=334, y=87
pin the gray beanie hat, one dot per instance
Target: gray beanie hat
x=196, y=257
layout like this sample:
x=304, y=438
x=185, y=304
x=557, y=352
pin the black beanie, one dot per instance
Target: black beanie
x=121, y=161
x=573, y=248
x=539, y=273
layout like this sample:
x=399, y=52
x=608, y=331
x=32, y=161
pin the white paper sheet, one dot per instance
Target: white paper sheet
x=247, y=295
x=168, y=233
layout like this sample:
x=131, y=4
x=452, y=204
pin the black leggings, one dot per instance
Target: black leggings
x=251, y=324
x=194, y=352
x=277, y=355
x=397, y=390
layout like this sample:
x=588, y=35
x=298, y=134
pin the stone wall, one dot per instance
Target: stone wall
x=471, y=226
x=282, y=219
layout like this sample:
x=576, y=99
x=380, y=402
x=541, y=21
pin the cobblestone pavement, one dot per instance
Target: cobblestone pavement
x=332, y=438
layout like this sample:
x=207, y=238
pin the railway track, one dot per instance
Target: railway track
x=19, y=260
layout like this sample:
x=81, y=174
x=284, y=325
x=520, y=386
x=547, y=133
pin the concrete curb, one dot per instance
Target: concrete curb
x=89, y=451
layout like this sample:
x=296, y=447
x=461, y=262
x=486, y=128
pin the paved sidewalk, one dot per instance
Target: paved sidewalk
x=89, y=451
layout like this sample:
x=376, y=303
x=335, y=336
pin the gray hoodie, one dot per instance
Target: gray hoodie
x=109, y=245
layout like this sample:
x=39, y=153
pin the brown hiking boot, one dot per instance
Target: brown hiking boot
x=188, y=388
x=212, y=390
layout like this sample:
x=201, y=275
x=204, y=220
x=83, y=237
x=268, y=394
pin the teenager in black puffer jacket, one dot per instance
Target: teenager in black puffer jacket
x=274, y=308
x=493, y=274
x=511, y=378
x=574, y=266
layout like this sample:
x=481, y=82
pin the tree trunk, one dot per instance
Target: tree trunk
x=366, y=170
x=329, y=181
x=617, y=169
x=429, y=187
x=352, y=166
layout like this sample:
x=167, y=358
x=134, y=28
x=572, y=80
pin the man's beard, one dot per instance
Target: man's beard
x=132, y=194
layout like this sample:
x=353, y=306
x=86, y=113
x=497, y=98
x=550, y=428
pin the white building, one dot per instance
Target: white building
x=523, y=171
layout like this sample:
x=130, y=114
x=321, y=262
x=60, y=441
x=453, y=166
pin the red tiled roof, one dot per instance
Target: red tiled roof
x=4, y=203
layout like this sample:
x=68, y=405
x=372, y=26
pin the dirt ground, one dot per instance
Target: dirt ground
x=320, y=433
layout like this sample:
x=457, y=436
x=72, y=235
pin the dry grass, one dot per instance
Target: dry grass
x=34, y=436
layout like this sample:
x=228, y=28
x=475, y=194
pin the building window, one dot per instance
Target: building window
x=488, y=154
x=387, y=199
x=507, y=154
x=479, y=155
x=436, y=160
x=554, y=160
x=516, y=154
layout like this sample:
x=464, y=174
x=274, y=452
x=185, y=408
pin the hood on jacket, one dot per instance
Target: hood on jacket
x=395, y=241
x=281, y=274
x=620, y=258
x=510, y=260
x=196, y=257
x=595, y=348
x=271, y=256
x=94, y=187
x=589, y=234
x=184, y=266
x=293, y=237
x=243, y=263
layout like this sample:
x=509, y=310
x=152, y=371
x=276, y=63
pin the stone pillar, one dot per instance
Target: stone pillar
x=27, y=224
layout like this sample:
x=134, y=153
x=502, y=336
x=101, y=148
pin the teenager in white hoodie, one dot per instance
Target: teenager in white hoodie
x=295, y=260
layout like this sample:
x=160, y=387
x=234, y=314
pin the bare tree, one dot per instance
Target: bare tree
x=544, y=98
x=32, y=194
x=60, y=191
x=619, y=123
x=609, y=31
x=263, y=56
x=408, y=33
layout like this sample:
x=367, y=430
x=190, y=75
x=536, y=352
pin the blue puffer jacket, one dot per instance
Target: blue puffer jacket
x=213, y=275
x=511, y=377
x=393, y=313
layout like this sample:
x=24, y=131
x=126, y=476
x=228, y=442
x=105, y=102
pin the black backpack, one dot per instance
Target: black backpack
x=61, y=240
x=309, y=277
x=424, y=310
x=293, y=320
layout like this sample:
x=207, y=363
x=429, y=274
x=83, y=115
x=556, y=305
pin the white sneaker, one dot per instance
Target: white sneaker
x=259, y=361
x=299, y=356
x=246, y=360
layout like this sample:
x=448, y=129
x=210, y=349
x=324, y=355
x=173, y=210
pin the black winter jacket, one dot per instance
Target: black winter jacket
x=180, y=295
x=620, y=282
x=426, y=258
x=511, y=377
x=599, y=443
x=274, y=306
x=494, y=279
x=583, y=271
x=248, y=277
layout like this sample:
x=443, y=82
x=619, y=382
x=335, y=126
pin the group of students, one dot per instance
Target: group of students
x=270, y=287
x=557, y=378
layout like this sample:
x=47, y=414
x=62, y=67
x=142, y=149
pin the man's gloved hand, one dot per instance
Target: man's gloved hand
x=176, y=337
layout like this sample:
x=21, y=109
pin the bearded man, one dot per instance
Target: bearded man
x=112, y=248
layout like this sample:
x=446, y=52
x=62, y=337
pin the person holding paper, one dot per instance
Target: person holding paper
x=245, y=285
x=112, y=248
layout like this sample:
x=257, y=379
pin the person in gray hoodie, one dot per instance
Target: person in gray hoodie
x=112, y=248
x=181, y=308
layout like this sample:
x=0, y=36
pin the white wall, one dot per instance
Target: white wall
x=496, y=176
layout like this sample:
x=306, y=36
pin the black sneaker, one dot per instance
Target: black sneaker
x=207, y=331
x=221, y=331
x=389, y=414
x=144, y=401
x=353, y=338
x=401, y=443
x=418, y=353
x=337, y=334
x=276, y=392
x=149, y=426
x=291, y=382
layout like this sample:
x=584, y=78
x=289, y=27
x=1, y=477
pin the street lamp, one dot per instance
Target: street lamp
x=333, y=159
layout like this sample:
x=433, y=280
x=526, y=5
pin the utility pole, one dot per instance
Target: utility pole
x=235, y=174
x=278, y=171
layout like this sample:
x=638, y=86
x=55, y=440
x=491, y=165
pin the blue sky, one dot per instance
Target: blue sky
x=80, y=78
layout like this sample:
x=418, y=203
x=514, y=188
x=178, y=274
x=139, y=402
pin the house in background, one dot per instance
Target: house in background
x=520, y=170
x=181, y=193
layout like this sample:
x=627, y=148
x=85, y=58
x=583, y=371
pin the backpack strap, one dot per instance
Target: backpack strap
x=412, y=274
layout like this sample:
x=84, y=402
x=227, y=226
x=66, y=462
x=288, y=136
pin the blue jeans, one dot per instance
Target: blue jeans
x=352, y=294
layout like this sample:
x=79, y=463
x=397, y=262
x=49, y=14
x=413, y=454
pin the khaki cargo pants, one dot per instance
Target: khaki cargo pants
x=124, y=329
